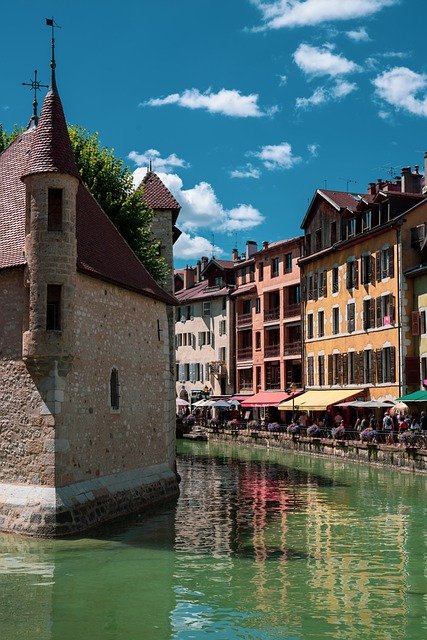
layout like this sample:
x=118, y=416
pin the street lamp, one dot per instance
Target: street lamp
x=292, y=389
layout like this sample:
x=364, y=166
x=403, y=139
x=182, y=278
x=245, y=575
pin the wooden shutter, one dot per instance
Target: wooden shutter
x=412, y=367
x=392, y=364
x=356, y=274
x=192, y=372
x=325, y=283
x=330, y=369
x=372, y=269
x=358, y=367
x=379, y=366
x=372, y=313
x=379, y=312
x=392, y=307
x=391, y=262
x=181, y=372
x=416, y=317
x=207, y=371
x=348, y=276
x=344, y=368
x=315, y=286
x=303, y=289
x=378, y=265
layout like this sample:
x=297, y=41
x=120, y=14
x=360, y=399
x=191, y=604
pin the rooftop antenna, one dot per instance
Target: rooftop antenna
x=35, y=85
x=150, y=165
x=348, y=181
x=50, y=22
x=326, y=183
x=213, y=247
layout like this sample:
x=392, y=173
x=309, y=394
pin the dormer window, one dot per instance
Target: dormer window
x=54, y=210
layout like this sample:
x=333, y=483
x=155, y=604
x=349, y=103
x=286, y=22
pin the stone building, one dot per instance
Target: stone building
x=204, y=328
x=87, y=397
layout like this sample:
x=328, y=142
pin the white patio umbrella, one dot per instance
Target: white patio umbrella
x=202, y=403
x=235, y=403
x=182, y=403
x=220, y=404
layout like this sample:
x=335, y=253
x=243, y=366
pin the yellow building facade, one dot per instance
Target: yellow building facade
x=356, y=315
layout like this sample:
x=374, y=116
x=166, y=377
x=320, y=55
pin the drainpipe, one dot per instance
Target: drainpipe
x=400, y=305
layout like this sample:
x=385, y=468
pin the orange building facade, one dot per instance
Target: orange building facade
x=268, y=318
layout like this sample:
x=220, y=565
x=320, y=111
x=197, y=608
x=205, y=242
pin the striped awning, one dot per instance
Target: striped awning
x=319, y=400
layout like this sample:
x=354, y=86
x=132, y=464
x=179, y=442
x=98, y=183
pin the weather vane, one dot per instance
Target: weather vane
x=35, y=85
x=50, y=22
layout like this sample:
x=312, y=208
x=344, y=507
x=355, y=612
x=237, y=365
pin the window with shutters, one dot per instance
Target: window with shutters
x=335, y=320
x=323, y=283
x=258, y=305
x=321, y=369
x=53, y=307
x=351, y=317
x=274, y=267
x=351, y=367
x=243, y=275
x=310, y=371
x=206, y=309
x=386, y=364
x=335, y=280
x=310, y=329
x=351, y=228
x=385, y=263
x=261, y=271
x=54, y=210
x=369, y=307
x=352, y=274
x=222, y=327
x=368, y=367
x=114, y=389
x=366, y=265
x=336, y=368
x=288, y=263
x=222, y=352
x=321, y=324
x=366, y=220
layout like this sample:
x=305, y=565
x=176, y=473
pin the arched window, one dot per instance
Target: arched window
x=114, y=389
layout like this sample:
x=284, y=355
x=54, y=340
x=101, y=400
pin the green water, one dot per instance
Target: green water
x=260, y=545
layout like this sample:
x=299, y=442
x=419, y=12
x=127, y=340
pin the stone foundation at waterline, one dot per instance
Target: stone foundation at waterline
x=405, y=458
x=54, y=512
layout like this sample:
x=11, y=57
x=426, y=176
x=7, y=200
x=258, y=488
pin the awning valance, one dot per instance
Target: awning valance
x=266, y=399
x=416, y=396
x=319, y=400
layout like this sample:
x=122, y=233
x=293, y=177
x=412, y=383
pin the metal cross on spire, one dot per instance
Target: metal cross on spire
x=50, y=22
x=35, y=85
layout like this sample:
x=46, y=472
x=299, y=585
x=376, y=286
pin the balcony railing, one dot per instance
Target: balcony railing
x=243, y=319
x=292, y=348
x=272, y=350
x=271, y=314
x=292, y=310
x=245, y=353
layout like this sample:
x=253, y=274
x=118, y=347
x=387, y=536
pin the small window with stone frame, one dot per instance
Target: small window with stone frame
x=53, y=307
x=114, y=389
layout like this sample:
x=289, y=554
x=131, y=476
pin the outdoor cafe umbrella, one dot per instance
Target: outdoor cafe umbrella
x=202, y=403
x=220, y=404
x=182, y=403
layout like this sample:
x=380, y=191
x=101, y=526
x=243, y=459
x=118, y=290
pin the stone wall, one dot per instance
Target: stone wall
x=405, y=458
x=26, y=431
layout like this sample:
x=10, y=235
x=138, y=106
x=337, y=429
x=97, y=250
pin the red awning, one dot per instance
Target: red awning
x=266, y=399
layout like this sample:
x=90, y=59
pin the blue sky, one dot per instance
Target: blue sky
x=245, y=107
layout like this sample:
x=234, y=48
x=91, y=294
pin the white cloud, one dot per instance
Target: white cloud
x=277, y=156
x=313, y=149
x=165, y=165
x=358, y=35
x=403, y=89
x=228, y=102
x=200, y=207
x=301, y=13
x=188, y=246
x=248, y=172
x=315, y=61
x=321, y=95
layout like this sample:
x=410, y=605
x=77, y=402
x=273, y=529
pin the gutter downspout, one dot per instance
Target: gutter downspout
x=400, y=306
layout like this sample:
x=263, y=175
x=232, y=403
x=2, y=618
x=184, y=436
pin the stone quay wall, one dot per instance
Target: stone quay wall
x=397, y=457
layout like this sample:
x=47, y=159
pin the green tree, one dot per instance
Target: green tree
x=7, y=138
x=110, y=182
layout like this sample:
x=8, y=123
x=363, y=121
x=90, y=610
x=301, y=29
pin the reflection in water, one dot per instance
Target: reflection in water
x=254, y=548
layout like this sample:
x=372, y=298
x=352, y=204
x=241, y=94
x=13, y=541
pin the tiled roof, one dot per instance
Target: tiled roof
x=51, y=150
x=102, y=252
x=342, y=199
x=156, y=195
x=279, y=243
x=199, y=291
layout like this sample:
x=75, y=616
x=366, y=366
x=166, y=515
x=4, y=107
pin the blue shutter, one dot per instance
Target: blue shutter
x=192, y=372
x=181, y=372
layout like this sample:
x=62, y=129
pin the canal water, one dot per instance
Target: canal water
x=260, y=545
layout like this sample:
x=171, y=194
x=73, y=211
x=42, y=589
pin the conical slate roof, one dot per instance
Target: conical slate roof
x=156, y=195
x=51, y=150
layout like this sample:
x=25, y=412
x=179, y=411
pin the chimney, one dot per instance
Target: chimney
x=188, y=277
x=411, y=182
x=234, y=255
x=265, y=244
x=372, y=188
x=198, y=269
x=205, y=261
x=251, y=248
